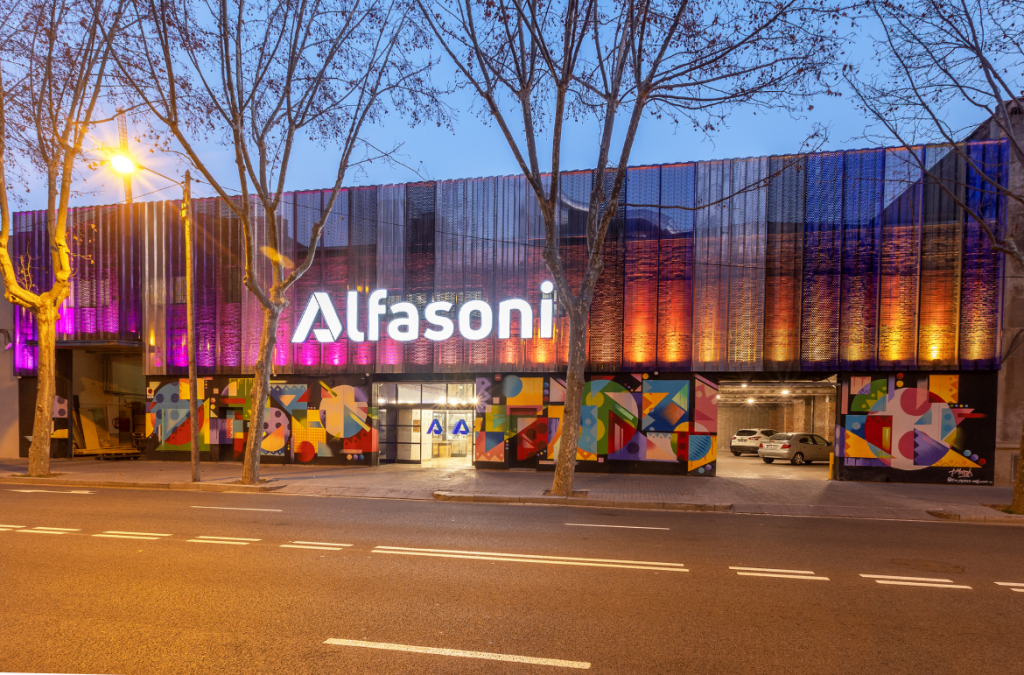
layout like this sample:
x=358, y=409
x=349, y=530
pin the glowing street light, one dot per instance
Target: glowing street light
x=124, y=165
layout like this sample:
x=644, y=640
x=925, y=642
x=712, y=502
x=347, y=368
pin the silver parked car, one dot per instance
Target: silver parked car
x=749, y=440
x=798, y=447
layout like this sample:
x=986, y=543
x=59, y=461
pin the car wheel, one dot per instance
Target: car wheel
x=798, y=459
x=768, y=460
x=736, y=453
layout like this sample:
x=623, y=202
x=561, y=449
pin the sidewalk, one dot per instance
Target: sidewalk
x=733, y=495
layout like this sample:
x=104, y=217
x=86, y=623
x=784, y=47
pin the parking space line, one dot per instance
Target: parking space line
x=512, y=658
x=622, y=527
x=769, y=569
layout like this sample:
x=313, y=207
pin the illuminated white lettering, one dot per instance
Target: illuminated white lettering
x=546, y=310
x=486, y=320
x=446, y=327
x=406, y=328
x=505, y=308
x=319, y=303
x=352, y=317
x=377, y=310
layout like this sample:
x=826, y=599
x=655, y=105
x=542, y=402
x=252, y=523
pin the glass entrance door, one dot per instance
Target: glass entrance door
x=451, y=433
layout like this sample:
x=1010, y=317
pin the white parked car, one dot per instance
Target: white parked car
x=798, y=447
x=749, y=440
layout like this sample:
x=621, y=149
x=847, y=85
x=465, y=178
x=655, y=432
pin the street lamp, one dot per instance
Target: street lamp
x=125, y=165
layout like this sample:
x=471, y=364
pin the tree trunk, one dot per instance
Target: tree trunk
x=562, y=484
x=1017, y=506
x=260, y=389
x=42, y=424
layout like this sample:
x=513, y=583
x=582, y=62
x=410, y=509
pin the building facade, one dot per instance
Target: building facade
x=425, y=330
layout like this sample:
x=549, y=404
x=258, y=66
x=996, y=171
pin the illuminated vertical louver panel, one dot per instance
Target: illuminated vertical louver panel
x=177, y=318
x=307, y=211
x=784, y=262
x=391, y=264
x=711, y=266
x=207, y=279
x=542, y=353
x=675, y=266
x=745, y=263
x=899, y=291
x=982, y=272
x=419, y=268
x=30, y=247
x=640, y=297
x=863, y=178
x=606, y=315
x=511, y=264
x=823, y=247
x=362, y=269
x=571, y=212
x=481, y=242
x=941, y=254
x=332, y=254
x=225, y=238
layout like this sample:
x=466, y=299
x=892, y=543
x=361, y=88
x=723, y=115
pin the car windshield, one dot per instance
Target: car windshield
x=781, y=437
x=746, y=432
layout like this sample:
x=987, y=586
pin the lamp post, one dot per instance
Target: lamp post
x=124, y=165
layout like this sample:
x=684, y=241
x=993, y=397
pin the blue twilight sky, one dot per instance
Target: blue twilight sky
x=473, y=148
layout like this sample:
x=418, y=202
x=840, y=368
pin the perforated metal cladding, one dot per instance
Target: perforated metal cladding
x=941, y=251
x=823, y=248
x=642, y=241
x=901, y=259
x=682, y=287
x=784, y=262
x=675, y=266
x=862, y=241
x=606, y=310
x=29, y=244
x=980, y=345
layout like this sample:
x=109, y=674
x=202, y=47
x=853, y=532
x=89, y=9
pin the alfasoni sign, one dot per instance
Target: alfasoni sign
x=404, y=324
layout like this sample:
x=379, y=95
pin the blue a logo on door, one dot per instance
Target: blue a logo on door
x=435, y=428
x=461, y=428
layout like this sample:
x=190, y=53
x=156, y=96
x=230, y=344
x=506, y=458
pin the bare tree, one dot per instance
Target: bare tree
x=534, y=66
x=256, y=76
x=55, y=62
x=940, y=57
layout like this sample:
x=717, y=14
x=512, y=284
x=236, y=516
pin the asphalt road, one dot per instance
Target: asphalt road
x=502, y=581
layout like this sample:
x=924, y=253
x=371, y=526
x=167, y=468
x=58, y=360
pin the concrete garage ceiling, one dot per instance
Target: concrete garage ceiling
x=735, y=393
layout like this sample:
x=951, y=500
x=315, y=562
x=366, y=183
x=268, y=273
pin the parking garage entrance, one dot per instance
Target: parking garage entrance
x=776, y=428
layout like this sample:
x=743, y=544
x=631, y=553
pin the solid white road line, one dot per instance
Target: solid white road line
x=532, y=660
x=126, y=536
x=528, y=555
x=885, y=576
x=540, y=560
x=781, y=576
x=315, y=548
x=203, y=536
x=320, y=543
x=215, y=541
x=769, y=569
x=918, y=583
x=998, y=583
x=232, y=508
x=142, y=534
x=622, y=527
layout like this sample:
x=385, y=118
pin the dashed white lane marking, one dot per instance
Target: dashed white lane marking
x=316, y=545
x=125, y=536
x=770, y=569
x=1018, y=590
x=1008, y=583
x=513, y=658
x=541, y=559
x=889, y=580
x=11, y=527
x=232, y=508
x=621, y=527
x=59, y=492
x=233, y=541
x=50, y=530
x=141, y=534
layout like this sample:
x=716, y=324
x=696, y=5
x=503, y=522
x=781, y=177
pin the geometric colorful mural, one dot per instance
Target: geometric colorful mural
x=916, y=426
x=626, y=418
x=305, y=421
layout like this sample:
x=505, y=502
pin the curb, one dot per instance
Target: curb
x=578, y=501
x=1005, y=519
x=199, y=487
